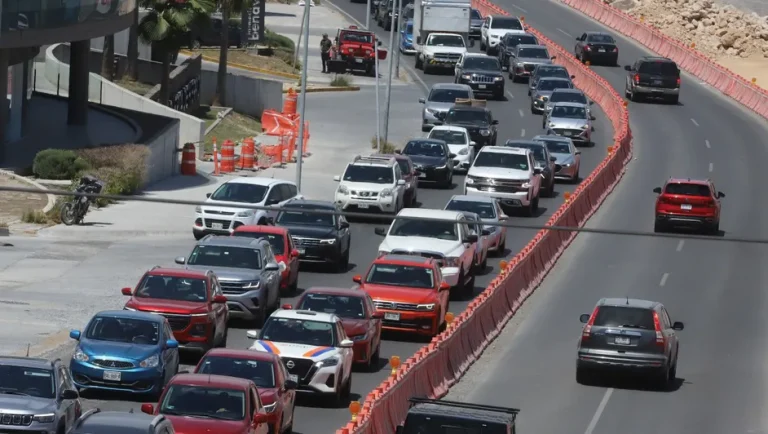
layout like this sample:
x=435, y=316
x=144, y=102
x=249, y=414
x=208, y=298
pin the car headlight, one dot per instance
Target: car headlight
x=198, y=210
x=485, y=132
x=80, y=356
x=469, y=180
x=386, y=192
x=328, y=242
x=498, y=78
x=150, y=362
x=282, y=266
x=492, y=229
x=330, y=361
x=270, y=408
x=551, y=125
x=451, y=262
x=466, y=77
x=432, y=111
x=359, y=337
x=566, y=165
x=494, y=36
x=430, y=306
x=343, y=189
x=247, y=213
x=526, y=185
x=584, y=127
x=442, y=167
x=518, y=65
x=44, y=418
x=464, y=151
x=252, y=285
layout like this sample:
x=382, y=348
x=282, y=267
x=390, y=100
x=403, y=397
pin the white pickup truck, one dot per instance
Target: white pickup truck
x=440, y=50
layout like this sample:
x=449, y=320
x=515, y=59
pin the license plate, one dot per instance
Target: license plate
x=359, y=60
x=363, y=206
x=217, y=226
x=112, y=375
x=294, y=378
x=657, y=82
x=392, y=316
x=422, y=175
x=601, y=50
x=302, y=251
x=567, y=133
x=622, y=341
x=481, y=86
x=686, y=207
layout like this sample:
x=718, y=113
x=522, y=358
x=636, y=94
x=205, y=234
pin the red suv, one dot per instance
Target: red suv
x=282, y=245
x=692, y=203
x=192, y=302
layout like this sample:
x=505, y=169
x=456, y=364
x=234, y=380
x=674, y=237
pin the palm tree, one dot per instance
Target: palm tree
x=132, y=70
x=108, y=57
x=228, y=7
x=166, y=26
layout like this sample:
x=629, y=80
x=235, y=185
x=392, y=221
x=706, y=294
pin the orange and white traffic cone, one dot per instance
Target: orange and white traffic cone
x=216, y=169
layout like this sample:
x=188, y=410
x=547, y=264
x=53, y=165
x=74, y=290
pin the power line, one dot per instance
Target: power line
x=358, y=215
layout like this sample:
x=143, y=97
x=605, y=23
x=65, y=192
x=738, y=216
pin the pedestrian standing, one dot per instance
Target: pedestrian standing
x=325, y=51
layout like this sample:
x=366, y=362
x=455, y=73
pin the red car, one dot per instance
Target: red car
x=267, y=371
x=361, y=322
x=192, y=302
x=409, y=292
x=286, y=254
x=692, y=203
x=203, y=404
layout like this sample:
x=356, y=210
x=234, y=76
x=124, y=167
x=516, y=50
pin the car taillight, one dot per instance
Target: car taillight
x=678, y=81
x=588, y=328
x=637, y=78
x=587, y=48
x=615, y=49
x=660, y=340
x=711, y=203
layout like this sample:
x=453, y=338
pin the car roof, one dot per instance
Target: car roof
x=448, y=128
x=403, y=260
x=569, y=90
x=229, y=241
x=100, y=421
x=396, y=156
x=210, y=380
x=554, y=79
x=304, y=203
x=257, y=180
x=472, y=198
x=688, y=181
x=628, y=302
x=550, y=66
x=598, y=33
x=430, y=213
x=131, y=314
x=656, y=59
x=238, y=353
x=27, y=362
x=305, y=315
x=177, y=272
x=478, y=55
x=263, y=229
x=504, y=16
x=505, y=150
x=468, y=108
x=553, y=138
x=473, y=415
x=454, y=86
x=568, y=104
x=426, y=139
x=373, y=160
x=531, y=45
x=334, y=291
x=517, y=33
x=513, y=143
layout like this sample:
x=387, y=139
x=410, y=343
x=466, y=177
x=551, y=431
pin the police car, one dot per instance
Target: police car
x=314, y=347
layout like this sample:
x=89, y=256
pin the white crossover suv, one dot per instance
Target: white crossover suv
x=442, y=235
x=507, y=174
x=494, y=28
x=314, y=348
x=373, y=183
x=224, y=212
x=458, y=142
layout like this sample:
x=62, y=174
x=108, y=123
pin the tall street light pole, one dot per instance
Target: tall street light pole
x=378, y=109
x=303, y=95
x=368, y=16
x=392, y=48
x=398, y=45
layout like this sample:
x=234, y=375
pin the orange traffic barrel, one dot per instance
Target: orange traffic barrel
x=305, y=147
x=188, y=164
x=274, y=154
x=289, y=105
x=227, y=157
x=246, y=154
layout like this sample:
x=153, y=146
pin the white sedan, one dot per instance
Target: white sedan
x=458, y=142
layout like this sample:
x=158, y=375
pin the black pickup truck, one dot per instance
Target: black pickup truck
x=432, y=416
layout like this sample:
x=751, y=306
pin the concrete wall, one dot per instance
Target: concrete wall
x=191, y=129
x=164, y=156
x=247, y=95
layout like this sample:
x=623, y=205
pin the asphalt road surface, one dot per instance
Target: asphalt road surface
x=515, y=122
x=717, y=289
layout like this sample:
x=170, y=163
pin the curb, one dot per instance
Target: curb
x=47, y=345
x=328, y=89
x=51, y=199
x=245, y=67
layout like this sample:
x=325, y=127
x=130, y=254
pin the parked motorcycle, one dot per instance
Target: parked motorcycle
x=74, y=211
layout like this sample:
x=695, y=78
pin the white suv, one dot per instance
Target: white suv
x=315, y=349
x=507, y=174
x=373, y=182
x=225, y=212
x=438, y=234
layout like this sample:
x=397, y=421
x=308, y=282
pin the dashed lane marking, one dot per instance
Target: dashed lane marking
x=519, y=8
x=694, y=122
x=522, y=113
x=707, y=144
x=664, y=278
x=522, y=133
x=599, y=411
x=680, y=245
x=711, y=167
x=565, y=33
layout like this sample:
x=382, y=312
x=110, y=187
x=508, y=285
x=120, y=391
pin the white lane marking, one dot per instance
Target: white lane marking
x=522, y=114
x=707, y=144
x=711, y=167
x=664, y=278
x=519, y=8
x=599, y=411
x=522, y=133
x=509, y=94
x=565, y=33
x=694, y=122
x=680, y=245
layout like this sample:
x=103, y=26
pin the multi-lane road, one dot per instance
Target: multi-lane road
x=717, y=289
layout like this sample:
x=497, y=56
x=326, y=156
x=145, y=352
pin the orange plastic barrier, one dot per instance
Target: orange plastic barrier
x=305, y=145
x=731, y=84
x=188, y=160
x=289, y=105
x=216, y=164
x=440, y=364
x=273, y=154
x=227, y=157
x=277, y=124
x=247, y=148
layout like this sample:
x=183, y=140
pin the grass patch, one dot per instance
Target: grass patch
x=135, y=86
x=34, y=216
x=207, y=114
x=235, y=127
x=386, y=147
x=280, y=60
x=341, y=80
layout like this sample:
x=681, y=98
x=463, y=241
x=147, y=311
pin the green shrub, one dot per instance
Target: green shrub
x=277, y=41
x=58, y=164
x=34, y=216
x=341, y=80
x=122, y=168
x=386, y=147
x=54, y=214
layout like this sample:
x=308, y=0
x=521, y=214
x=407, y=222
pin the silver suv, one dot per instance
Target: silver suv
x=570, y=120
x=38, y=396
x=247, y=270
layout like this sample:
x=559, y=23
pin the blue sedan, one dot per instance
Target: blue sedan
x=406, y=38
x=125, y=351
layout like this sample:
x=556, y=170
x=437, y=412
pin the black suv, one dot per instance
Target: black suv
x=478, y=121
x=432, y=159
x=437, y=416
x=482, y=73
x=653, y=77
x=544, y=160
x=325, y=238
x=509, y=42
x=597, y=47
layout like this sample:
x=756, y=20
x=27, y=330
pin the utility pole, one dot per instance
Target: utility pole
x=392, y=48
x=398, y=44
x=298, y=40
x=378, y=109
x=368, y=16
x=303, y=95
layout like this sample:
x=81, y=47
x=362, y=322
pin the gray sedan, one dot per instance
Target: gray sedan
x=544, y=89
x=568, y=157
x=441, y=97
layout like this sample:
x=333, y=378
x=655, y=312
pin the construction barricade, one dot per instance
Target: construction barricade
x=247, y=150
x=227, y=157
x=188, y=160
x=440, y=364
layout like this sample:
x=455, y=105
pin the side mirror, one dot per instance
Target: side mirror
x=252, y=334
x=398, y=151
x=400, y=182
x=69, y=394
x=720, y=195
x=357, y=279
x=294, y=253
x=287, y=307
x=380, y=232
x=418, y=40
x=269, y=202
x=495, y=122
x=378, y=43
x=473, y=143
x=657, y=190
x=74, y=334
x=377, y=315
x=591, y=103
x=337, y=178
x=171, y=344
x=291, y=385
x=345, y=224
x=584, y=318
x=678, y=325
x=126, y=291
x=271, y=267
x=579, y=38
x=147, y=408
x=553, y=57
x=572, y=77
x=444, y=286
x=437, y=123
x=346, y=343
x=486, y=232
x=471, y=238
x=219, y=299
x=270, y=221
x=422, y=100
x=503, y=218
x=553, y=159
x=207, y=195
x=592, y=117
x=451, y=155
x=537, y=170
x=181, y=260
x=627, y=68
x=578, y=152
x=260, y=418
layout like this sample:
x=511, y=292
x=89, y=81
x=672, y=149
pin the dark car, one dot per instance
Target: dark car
x=385, y=13
x=543, y=160
x=547, y=71
x=508, y=44
x=432, y=159
x=524, y=59
x=631, y=335
x=478, y=121
x=411, y=177
x=482, y=73
x=475, y=22
x=209, y=33
x=121, y=422
x=597, y=47
x=439, y=416
x=319, y=238
x=653, y=77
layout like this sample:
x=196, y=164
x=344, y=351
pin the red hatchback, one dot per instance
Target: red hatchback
x=286, y=254
x=267, y=371
x=692, y=203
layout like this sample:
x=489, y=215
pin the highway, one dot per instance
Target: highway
x=515, y=122
x=717, y=289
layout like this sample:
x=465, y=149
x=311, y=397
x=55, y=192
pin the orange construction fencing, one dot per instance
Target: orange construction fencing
x=227, y=157
x=276, y=124
x=188, y=160
x=289, y=105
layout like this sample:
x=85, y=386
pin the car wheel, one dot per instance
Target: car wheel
x=427, y=69
x=512, y=76
x=533, y=109
x=261, y=315
x=483, y=265
x=674, y=99
x=448, y=183
x=373, y=362
x=482, y=44
x=715, y=229
x=659, y=227
x=576, y=178
x=530, y=211
x=469, y=287
x=583, y=376
x=417, y=63
x=198, y=235
x=626, y=92
x=502, y=248
x=343, y=265
x=499, y=96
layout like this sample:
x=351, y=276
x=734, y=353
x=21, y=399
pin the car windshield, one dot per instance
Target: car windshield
x=546, y=85
x=537, y=151
x=620, y=316
x=600, y=39
x=475, y=15
x=240, y=192
x=506, y=23
x=370, y=174
x=555, y=72
x=424, y=228
x=424, y=148
x=576, y=97
x=658, y=68
x=401, y=275
x=557, y=147
x=222, y=256
x=533, y=53
x=172, y=288
x=472, y=116
x=568, y=112
x=688, y=189
x=21, y=380
x=446, y=41
x=450, y=137
x=513, y=40
x=481, y=62
x=357, y=38
x=203, y=402
x=448, y=95
x=342, y=306
x=499, y=159
x=277, y=241
x=304, y=218
x=125, y=330
x=484, y=209
x=299, y=331
x=262, y=373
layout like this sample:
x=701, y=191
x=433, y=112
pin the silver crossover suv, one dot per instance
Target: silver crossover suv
x=567, y=156
x=543, y=91
x=441, y=97
x=524, y=58
x=570, y=120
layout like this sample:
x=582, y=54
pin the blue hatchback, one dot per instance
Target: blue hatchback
x=406, y=38
x=125, y=351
